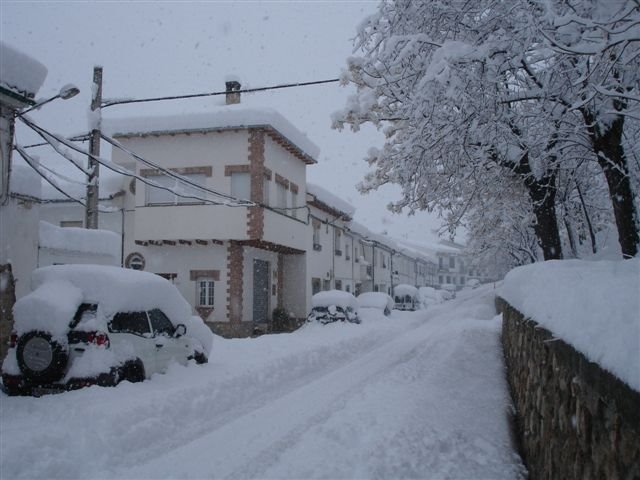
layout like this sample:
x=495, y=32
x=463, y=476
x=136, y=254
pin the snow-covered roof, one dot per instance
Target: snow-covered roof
x=227, y=117
x=19, y=73
x=326, y=199
x=430, y=248
x=25, y=180
x=592, y=305
x=99, y=242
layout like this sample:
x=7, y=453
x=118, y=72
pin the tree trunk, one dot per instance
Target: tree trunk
x=607, y=145
x=543, y=196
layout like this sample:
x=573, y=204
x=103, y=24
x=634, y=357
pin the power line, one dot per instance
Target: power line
x=109, y=103
x=34, y=164
x=169, y=173
x=123, y=171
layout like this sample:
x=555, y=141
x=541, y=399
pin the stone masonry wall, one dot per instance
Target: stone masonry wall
x=574, y=419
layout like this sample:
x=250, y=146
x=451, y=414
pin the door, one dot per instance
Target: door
x=260, y=291
x=168, y=347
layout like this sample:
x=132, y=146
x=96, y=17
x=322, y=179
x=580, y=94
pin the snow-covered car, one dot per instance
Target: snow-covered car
x=429, y=296
x=334, y=306
x=88, y=324
x=377, y=300
x=473, y=283
x=448, y=291
x=405, y=297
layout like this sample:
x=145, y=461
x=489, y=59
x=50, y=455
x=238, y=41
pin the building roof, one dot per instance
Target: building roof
x=328, y=202
x=222, y=118
x=21, y=76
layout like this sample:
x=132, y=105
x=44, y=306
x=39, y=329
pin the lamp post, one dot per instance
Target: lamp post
x=66, y=92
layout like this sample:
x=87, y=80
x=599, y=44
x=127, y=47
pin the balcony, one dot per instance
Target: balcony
x=172, y=222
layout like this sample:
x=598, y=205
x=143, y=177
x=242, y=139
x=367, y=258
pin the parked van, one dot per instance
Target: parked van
x=405, y=297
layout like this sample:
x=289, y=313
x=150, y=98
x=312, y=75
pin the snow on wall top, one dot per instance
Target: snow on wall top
x=19, y=72
x=230, y=116
x=99, y=242
x=330, y=199
x=594, y=306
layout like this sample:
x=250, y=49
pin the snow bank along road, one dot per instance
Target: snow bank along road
x=417, y=395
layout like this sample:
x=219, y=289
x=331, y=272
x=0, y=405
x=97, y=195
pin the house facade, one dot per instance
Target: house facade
x=235, y=261
x=20, y=79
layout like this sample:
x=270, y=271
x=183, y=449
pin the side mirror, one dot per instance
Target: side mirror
x=180, y=330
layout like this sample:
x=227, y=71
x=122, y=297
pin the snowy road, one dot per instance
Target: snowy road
x=417, y=395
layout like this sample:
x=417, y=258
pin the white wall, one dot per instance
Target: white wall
x=19, y=242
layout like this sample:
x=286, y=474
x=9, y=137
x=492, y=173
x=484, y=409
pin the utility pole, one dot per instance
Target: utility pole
x=93, y=179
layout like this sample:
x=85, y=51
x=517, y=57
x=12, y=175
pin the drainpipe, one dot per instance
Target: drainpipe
x=333, y=257
x=391, y=267
x=373, y=267
x=122, y=237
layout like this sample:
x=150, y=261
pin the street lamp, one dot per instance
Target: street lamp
x=66, y=92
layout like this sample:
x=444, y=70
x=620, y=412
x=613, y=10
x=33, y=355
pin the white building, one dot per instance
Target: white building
x=20, y=79
x=235, y=262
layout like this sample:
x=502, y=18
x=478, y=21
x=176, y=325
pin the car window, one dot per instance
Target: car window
x=130, y=322
x=85, y=310
x=160, y=324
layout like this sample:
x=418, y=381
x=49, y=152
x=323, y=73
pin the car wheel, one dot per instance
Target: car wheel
x=41, y=358
x=133, y=371
x=199, y=357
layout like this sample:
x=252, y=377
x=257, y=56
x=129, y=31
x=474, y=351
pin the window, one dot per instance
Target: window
x=241, y=185
x=440, y=279
x=281, y=194
x=265, y=191
x=160, y=324
x=338, y=284
x=347, y=288
x=337, y=235
x=315, y=285
x=316, y=235
x=294, y=204
x=441, y=262
x=205, y=289
x=130, y=322
x=375, y=288
x=452, y=262
x=448, y=279
x=160, y=196
x=71, y=223
x=326, y=285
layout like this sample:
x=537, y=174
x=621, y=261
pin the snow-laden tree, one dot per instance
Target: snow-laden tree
x=469, y=94
x=596, y=51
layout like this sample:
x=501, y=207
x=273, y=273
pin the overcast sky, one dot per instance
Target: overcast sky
x=150, y=49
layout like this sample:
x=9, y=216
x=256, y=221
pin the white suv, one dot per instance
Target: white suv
x=88, y=324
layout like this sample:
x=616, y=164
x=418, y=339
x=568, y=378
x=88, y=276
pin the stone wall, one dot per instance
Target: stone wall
x=573, y=419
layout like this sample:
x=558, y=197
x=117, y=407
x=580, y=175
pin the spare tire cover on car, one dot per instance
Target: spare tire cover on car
x=41, y=358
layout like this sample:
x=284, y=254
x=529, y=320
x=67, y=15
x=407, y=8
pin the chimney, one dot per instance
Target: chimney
x=233, y=93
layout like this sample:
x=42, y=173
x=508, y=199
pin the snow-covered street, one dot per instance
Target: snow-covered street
x=417, y=395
